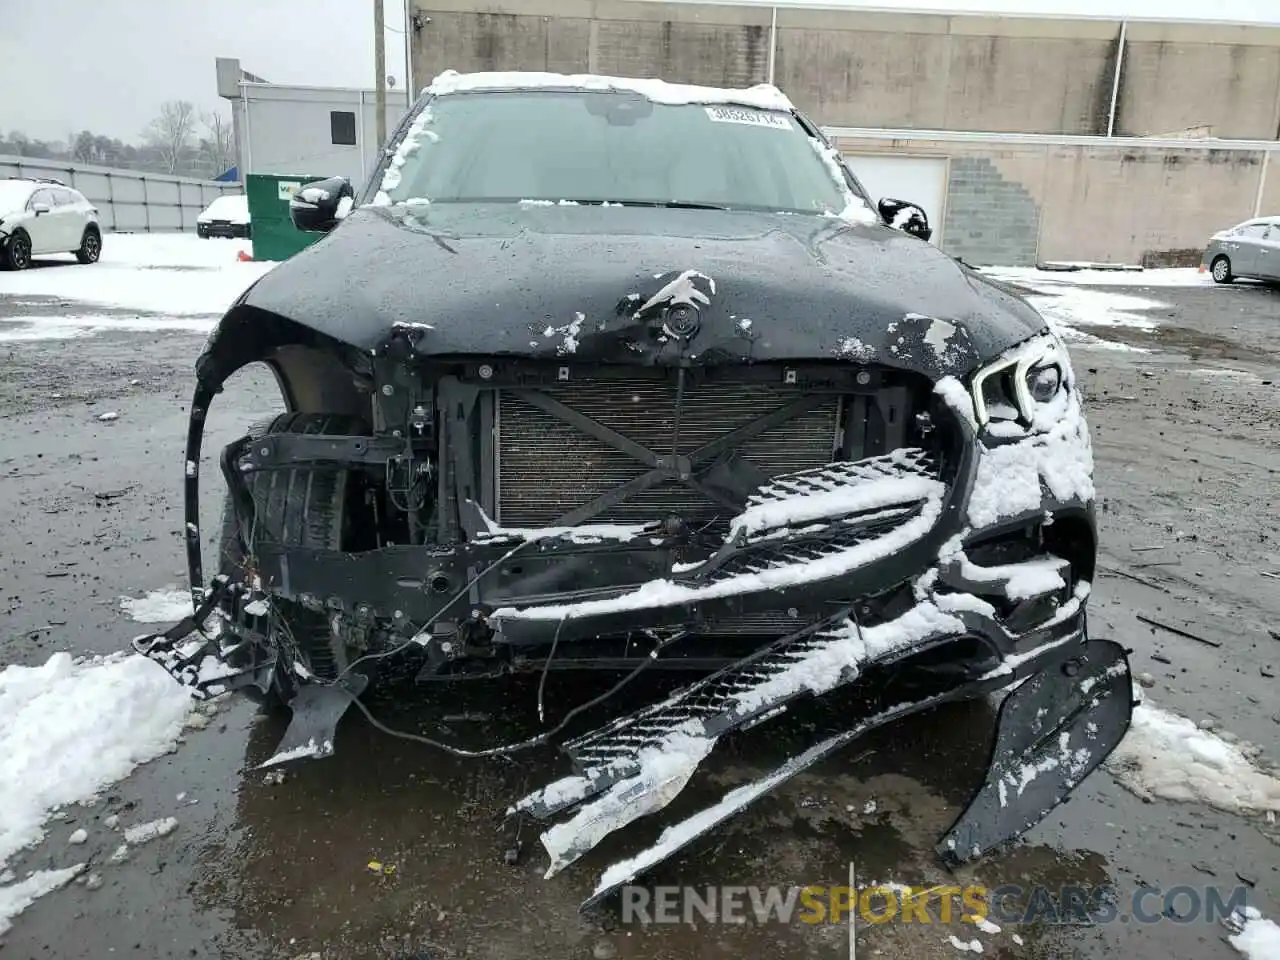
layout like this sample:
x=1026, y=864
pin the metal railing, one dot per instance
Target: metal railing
x=127, y=200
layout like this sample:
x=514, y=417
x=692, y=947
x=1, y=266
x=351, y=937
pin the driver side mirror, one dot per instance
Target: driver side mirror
x=39, y=208
x=905, y=216
x=318, y=206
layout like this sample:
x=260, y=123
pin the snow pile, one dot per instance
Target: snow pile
x=70, y=728
x=16, y=897
x=1164, y=755
x=158, y=606
x=762, y=96
x=1257, y=938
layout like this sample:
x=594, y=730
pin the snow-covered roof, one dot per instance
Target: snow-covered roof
x=762, y=96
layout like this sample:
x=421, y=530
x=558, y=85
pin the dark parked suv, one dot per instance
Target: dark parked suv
x=621, y=375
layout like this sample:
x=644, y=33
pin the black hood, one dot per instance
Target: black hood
x=592, y=282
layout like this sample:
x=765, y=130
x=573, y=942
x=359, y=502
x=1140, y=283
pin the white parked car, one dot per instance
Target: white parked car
x=227, y=216
x=45, y=216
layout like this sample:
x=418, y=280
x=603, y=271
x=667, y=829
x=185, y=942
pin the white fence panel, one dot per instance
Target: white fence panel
x=127, y=200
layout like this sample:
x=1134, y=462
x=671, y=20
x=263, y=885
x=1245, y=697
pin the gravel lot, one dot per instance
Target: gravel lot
x=1187, y=439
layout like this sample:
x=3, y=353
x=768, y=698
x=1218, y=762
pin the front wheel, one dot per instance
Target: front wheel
x=1221, y=269
x=90, y=246
x=16, y=254
x=299, y=508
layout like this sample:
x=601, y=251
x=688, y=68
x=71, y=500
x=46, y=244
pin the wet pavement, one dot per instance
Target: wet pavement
x=1188, y=460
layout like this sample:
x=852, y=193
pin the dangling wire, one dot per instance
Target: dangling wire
x=546, y=666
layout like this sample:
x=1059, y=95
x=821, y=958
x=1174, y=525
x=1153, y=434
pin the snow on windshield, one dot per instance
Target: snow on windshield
x=608, y=140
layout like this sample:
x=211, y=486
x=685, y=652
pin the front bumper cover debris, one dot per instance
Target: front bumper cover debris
x=869, y=555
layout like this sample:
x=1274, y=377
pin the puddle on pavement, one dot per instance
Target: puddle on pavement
x=435, y=823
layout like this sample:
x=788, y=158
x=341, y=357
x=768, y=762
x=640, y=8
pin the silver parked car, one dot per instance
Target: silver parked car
x=1250, y=249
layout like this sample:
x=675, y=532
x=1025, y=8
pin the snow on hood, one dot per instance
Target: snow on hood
x=762, y=96
x=814, y=288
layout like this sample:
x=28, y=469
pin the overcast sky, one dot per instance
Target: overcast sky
x=106, y=66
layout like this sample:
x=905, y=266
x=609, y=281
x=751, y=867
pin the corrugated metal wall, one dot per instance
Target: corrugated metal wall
x=127, y=200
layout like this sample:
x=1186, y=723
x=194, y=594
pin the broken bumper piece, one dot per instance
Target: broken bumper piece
x=206, y=659
x=1053, y=730
x=637, y=764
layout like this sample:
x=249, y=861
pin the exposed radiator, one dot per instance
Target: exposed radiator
x=547, y=467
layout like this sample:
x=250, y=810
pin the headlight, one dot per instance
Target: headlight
x=1044, y=383
x=1022, y=383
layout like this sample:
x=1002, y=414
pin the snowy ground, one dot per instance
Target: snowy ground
x=143, y=283
x=1170, y=277
x=95, y=773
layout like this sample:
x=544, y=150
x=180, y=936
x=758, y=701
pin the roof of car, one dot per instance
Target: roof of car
x=762, y=96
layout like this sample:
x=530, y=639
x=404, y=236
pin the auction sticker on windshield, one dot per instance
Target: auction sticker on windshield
x=755, y=118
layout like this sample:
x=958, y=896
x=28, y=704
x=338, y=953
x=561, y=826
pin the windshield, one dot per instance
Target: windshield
x=14, y=195
x=616, y=146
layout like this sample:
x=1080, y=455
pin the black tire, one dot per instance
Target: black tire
x=90, y=246
x=1221, y=269
x=16, y=254
x=298, y=508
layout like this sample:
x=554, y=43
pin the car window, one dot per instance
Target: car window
x=67, y=197
x=594, y=146
x=1253, y=231
x=45, y=196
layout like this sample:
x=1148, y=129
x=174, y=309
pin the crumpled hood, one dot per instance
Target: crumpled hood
x=590, y=282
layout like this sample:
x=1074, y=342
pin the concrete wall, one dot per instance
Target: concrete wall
x=1016, y=202
x=697, y=43
x=286, y=130
x=127, y=200
x=941, y=73
x=1177, y=76
x=863, y=69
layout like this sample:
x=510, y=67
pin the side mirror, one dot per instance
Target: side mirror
x=39, y=208
x=905, y=216
x=318, y=206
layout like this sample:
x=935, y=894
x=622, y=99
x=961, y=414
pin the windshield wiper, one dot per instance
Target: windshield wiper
x=670, y=204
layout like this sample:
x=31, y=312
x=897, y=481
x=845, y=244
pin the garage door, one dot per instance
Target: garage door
x=922, y=180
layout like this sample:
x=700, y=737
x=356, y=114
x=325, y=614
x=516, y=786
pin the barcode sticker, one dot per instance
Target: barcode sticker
x=754, y=118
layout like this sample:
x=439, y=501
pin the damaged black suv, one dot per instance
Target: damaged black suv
x=629, y=375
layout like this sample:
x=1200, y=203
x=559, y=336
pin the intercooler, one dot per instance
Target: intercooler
x=547, y=467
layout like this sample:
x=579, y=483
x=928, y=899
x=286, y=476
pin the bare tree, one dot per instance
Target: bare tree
x=83, y=149
x=170, y=133
x=219, y=147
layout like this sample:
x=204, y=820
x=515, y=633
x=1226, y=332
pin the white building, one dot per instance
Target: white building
x=308, y=131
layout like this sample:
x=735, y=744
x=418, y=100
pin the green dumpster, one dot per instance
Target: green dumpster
x=274, y=235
